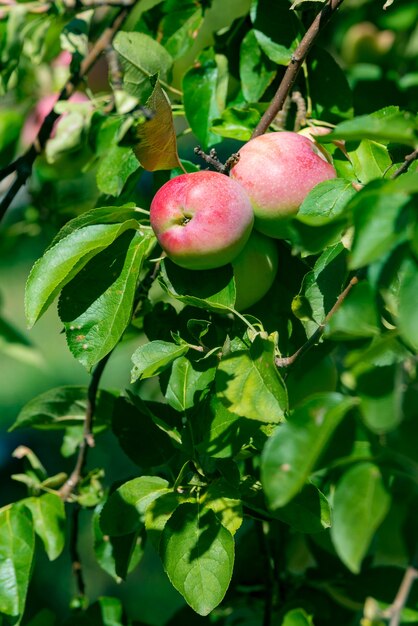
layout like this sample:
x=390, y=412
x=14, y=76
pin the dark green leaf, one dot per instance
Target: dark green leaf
x=64, y=260
x=182, y=39
x=249, y=384
x=188, y=379
x=17, y=544
x=124, y=511
x=291, y=453
x=408, y=303
x=328, y=88
x=142, y=57
x=198, y=556
x=117, y=556
x=154, y=357
x=157, y=145
x=48, y=516
x=135, y=430
x=257, y=71
x=62, y=407
x=96, y=306
x=208, y=289
x=361, y=501
x=276, y=28
x=381, y=392
x=378, y=224
x=201, y=102
x=308, y=512
x=357, y=316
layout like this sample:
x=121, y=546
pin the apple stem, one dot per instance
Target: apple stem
x=313, y=339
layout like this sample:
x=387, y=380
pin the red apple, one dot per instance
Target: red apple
x=202, y=220
x=277, y=170
x=254, y=270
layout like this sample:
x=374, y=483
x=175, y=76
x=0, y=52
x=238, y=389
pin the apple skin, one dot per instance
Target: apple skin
x=278, y=170
x=254, y=270
x=202, y=220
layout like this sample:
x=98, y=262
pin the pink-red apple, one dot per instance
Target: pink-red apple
x=254, y=270
x=277, y=170
x=202, y=220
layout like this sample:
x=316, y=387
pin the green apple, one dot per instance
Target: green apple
x=254, y=270
x=278, y=170
x=202, y=220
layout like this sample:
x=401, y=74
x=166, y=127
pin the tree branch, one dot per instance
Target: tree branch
x=88, y=440
x=295, y=65
x=394, y=611
x=23, y=165
x=313, y=339
x=74, y=554
x=212, y=159
x=409, y=159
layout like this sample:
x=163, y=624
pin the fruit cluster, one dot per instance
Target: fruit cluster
x=204, y=220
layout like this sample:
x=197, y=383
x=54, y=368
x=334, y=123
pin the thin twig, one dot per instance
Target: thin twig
x=88, y=441
x=74, y=554
x=394, y=611
x=409, y=159
x=269, y=571
x=289, y=360
x=212, y=159
x=295, y=65
x=23, y=165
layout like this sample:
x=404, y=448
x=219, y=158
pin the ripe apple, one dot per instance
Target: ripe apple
x=254, y=270
x=202, y=220
x=277, y=170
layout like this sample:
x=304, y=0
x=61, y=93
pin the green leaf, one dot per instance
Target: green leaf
x=408, y=309
x=11, y=122
x=377, y=216
x=17, y=544
x=118, y=556
x=256, y=70
x=381, y=394
x=326, y=202
x=201, y=102
x=224, y=500
x=208, y=289
x=96, y=307
x=297, y=617
x=357, y=317
x=236, y=123
x=48, y=516
x=62, y=407
x=370, y=160
x=198, y=555
x=142, y=57
x=154, y=357
x=134, y=429
x=385, y=126
x=361, y=502
x=159, y=512
x=157, y=144
x=106, y=611
x=249, y=384
x=276, y=28
x=75, y=35
x=292, y=451
x=183, y=38
x=188, y=379
x=124, y=511
x=320, y=288
x=329, y=90
x=61, y=262
x=114, y=169
x=308, y=512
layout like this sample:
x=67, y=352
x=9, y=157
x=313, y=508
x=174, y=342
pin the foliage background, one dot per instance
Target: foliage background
x=33, y=362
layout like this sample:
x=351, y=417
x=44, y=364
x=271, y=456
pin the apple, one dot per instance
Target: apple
x=254, y=270
x=278, y=170
x=202, y=220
